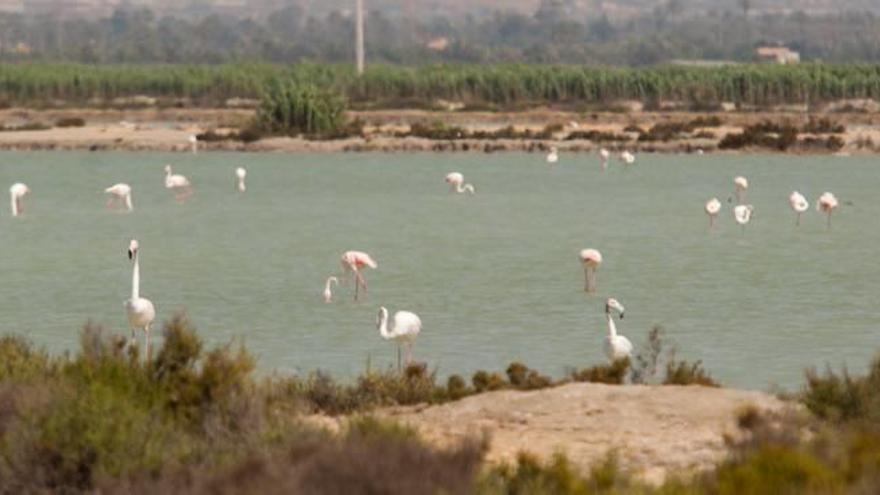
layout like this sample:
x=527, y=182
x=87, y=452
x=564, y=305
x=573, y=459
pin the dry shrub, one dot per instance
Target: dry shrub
x=611, y=374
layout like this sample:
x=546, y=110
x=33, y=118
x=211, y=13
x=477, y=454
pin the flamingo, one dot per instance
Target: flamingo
x=16, y=193
x=713, y=207
x=616, y=346
x=140, y=311
x=178, y=183
x=740, y=184
x=604, y=154
x=743, y=214
x=457, y=185
x=353, y=262
x=627, y=158
x=328, y=294
x=827, y=203
x=799, y=204
x=240, y=174
x=553, y=156
x=591, y=259
x=120, y=194
x=407, y=327
x=194, y=143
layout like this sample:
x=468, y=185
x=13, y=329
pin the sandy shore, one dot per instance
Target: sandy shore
x=169, y=130
x=655, y=431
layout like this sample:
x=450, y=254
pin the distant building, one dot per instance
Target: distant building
x=778, y=54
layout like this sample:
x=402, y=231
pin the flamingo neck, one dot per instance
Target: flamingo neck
x=14, y=205
x=136, y=279
x=383, y=326
x=241, y=186
x=330, y=281
x=128, y=202
x=612, y=329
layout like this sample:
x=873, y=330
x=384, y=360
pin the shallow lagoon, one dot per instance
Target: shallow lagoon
x=494, y=277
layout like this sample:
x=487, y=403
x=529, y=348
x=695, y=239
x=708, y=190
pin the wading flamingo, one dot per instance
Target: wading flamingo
x=16, y=193
x=240, y=174
x=799, y=204
x=743, y=214
x=713, y=207
x=553, y=156
x=457, y=185
x=627, y=158
x=740, y=184
x=827, y=203
x=328, y=294
x=353, y=262
x=604, y=155
x=591, y=259
x=140, y=311
x=177, y=183
x=193, y=143
x=407, y=327
x=120, y=196
x=616, y=346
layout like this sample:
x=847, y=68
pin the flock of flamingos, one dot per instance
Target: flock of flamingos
x=406, y=325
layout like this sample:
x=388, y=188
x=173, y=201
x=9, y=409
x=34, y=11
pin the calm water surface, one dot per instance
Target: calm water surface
x=495, y=277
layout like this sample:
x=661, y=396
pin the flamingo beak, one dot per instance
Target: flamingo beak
x=621, y=315
x=130, y=254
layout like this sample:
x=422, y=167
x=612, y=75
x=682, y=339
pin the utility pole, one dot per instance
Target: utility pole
x=359, y=36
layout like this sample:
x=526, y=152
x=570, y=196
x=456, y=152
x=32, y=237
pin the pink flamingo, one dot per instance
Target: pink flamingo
x=457, y=184
x=799, y=204
x=713, y=207
x=591, y=259
x=353, y=262
x=827, y=204
x=740, y=184
x=120, y=196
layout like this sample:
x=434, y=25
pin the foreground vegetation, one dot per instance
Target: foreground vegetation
x=483, y=87
x=197, y=420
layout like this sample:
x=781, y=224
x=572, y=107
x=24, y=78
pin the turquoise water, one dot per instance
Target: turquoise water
x=495, y=277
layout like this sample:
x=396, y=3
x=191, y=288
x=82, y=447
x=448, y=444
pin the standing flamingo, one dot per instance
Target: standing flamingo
x=740, y=184
x=713, y=207
x=177, y=183
x=457, y=185
x=16, y=193
x=240, y=174
x=328, y=294
x=627, y=158
x=120, y=195
x=799, y=204
x=604, y=155
x=553, y=156
x=743, y=214
x=591, y=259
x=353, y=262
x=616, y=346
x=140, y=311
x=827, y=203
x=193, y=143
x=407, y=327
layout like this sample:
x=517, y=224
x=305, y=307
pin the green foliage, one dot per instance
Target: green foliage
x=611, y=374
x=290, y=107
x=70, y=122
x=685, y=373
x=842, y=397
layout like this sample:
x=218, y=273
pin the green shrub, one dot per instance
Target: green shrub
x=487, y=382
x=290, y=108
x=611, y=374
x=70, y=122
x=685, y=373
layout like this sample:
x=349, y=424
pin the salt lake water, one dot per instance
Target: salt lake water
x=495, y=277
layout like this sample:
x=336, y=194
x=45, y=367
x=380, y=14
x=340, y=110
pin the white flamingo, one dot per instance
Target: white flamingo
x=16, y=193
x=328, y=294
x=553, y=155
x=827, y=203
x=120, y=194
x=799, y=204
x=713, y=207
x=627, y=158
x=591, y=259
x=740, y=184
x=743, y=214
x=140, y=311
x=240, y=174
x=616, y=346
x=177, y=183
x=193, y=143
x=457, y=185
x=604, y=155
x=407, y=327
x=352, y=263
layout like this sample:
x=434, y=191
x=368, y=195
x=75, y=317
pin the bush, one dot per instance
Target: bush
x=764, y=135
x=842, y=397
x=611, y=374
x=70, y=122
x=291, y=108
x=684, y=373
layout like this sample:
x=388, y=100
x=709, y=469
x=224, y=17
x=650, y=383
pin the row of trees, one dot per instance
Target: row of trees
x=292, y=34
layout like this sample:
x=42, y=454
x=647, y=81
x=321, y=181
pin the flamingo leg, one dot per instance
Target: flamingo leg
x=829, y=220
x=133, y=339
x=147, y=343
x=398, y=358
x=409, y=347
x=357, y=285
x=797, y=222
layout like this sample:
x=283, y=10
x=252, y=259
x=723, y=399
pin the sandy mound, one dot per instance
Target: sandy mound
x=655, y=430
